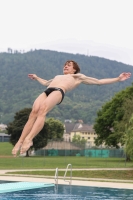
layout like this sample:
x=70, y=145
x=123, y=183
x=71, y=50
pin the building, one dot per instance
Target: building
x=68, y=127
x=85, y=131
x=3, y=127
x=4, y=137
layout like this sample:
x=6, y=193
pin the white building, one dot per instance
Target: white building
x=84, y=130
x=3, y=127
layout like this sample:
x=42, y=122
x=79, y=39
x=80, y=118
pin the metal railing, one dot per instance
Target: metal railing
x=70, y=181
x=56, y=176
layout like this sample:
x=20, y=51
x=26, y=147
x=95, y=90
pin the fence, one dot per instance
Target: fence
x=59, y=153
x=61, y=148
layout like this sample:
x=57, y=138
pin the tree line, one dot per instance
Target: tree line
x=114, y=122
x=53, y=129
x=18, y=92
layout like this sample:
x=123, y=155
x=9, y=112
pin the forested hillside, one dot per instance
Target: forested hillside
x=17, y=91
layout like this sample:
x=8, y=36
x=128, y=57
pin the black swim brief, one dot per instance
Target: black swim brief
x=49, y=90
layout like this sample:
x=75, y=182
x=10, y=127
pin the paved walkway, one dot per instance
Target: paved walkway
x=93, y=182
x=62, y=169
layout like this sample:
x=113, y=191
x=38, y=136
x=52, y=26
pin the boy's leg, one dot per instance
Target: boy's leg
x=28, y=126
x=45, y=106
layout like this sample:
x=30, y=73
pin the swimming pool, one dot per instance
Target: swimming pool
x=66, y=192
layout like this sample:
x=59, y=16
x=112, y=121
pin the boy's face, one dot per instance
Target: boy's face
x=68, y=68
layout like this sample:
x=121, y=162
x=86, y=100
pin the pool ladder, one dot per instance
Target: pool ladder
x=70, y=181
x=56, y=175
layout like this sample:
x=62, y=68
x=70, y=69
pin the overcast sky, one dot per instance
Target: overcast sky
x=93, y=27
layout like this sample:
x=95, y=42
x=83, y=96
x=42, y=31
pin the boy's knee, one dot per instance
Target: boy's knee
x=33, y=114
x=42, y=111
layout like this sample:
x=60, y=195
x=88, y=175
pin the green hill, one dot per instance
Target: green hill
x=17, y=91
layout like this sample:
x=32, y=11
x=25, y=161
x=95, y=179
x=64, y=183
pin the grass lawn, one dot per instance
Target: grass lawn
x=111, y=174
x=5, y=148
x=7, y=161
x=61, y=162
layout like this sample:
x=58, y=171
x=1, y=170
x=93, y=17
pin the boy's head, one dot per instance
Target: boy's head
x=71, y=67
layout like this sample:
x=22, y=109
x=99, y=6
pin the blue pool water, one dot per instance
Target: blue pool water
x=66, y=192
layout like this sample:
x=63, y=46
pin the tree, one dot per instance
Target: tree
x=128, y=139
x=109, y=117
x=78, y=140
x=52, y=129
x=127, y=108
x=83, y=101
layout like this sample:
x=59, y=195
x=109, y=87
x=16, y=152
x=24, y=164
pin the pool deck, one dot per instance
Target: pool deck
x=92, y=182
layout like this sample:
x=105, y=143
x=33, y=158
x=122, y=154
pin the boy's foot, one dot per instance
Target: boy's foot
x=26, y=145
x=16, y=148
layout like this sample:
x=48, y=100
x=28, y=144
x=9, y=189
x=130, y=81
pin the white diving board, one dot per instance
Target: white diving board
x=18, y=186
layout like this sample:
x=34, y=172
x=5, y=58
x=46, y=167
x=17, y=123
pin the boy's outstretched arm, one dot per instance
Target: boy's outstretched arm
x=40, y=80
x=89, y=80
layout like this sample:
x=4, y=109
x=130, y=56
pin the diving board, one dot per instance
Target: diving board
x=18, y=186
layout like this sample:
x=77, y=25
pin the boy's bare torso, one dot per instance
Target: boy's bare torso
x=66, y=82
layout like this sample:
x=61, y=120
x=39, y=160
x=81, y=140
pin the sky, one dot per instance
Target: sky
x=101, y=28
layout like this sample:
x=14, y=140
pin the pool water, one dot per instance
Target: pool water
x=66, y=192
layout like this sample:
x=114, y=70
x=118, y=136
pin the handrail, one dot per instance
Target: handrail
x=70, y=181
x=56, y=176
